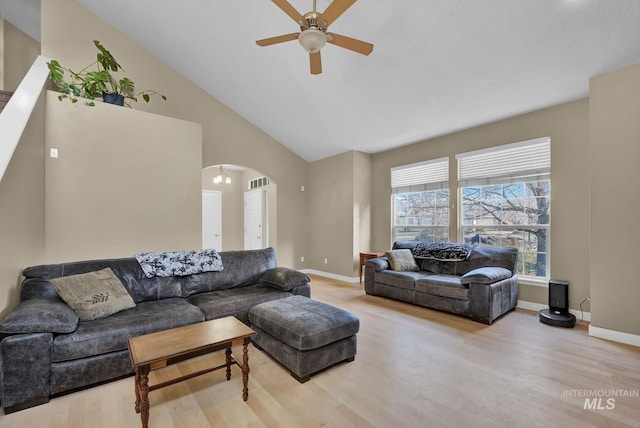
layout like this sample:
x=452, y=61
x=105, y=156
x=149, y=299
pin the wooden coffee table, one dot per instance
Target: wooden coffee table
x=156, y=350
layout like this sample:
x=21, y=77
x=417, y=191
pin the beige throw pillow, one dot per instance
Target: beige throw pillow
x=94, y=295
x=402, y=260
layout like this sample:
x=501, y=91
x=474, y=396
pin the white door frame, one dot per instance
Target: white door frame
x=253, y=224
x=215, y=226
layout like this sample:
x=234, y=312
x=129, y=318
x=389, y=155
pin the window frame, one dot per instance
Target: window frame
x=535, y=170
x=417, y=178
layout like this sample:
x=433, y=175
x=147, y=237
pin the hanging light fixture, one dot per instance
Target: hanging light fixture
x=221, y=177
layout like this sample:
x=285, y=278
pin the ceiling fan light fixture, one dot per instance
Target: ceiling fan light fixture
x=312, y=39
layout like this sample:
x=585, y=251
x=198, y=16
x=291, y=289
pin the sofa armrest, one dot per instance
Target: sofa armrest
x=379, y=264
x=25, y=363
x=284, y=278
x=485, y=275
x=40, y=316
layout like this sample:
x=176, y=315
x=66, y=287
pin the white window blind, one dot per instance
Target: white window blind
x=524, y=161
x=418, y=177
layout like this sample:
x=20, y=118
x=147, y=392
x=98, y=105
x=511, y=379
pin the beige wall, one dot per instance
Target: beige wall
x=22, y=187
x=567, y=125
x=340, y=199
x=362, y=174
x=22, y=211
x=2, y=49
x=614, y=101
x=20, y=51
x=331, y=214
x=67, y=33
x=117, y=190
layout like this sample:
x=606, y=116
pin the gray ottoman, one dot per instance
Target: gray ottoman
x=304, y=335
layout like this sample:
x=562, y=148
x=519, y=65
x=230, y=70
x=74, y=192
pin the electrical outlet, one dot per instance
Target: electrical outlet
x=53, y=153
x=326, y=261
x=302, y=259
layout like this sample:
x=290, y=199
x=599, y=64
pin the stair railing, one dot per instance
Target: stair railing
x=18, y=110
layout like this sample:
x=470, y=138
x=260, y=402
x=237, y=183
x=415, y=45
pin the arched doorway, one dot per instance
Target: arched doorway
x=244, y=185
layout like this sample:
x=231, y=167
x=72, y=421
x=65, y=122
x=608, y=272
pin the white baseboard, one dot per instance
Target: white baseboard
x=353, y=280
x=616, y=336
x=523, y=304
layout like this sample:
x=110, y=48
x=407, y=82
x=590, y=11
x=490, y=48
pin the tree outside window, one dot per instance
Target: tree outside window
x=511, y=214
x=421, y=216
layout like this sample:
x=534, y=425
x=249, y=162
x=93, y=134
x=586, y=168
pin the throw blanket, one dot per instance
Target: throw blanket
x=179, y=263
x=443, y=251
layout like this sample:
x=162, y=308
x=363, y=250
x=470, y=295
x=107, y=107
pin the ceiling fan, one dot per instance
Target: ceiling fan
x=313, y=33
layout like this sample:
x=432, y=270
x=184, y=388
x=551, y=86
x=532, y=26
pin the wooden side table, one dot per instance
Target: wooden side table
x=368, y=256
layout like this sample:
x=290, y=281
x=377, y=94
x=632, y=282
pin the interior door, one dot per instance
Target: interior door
x=253, y=228
x=212, y=219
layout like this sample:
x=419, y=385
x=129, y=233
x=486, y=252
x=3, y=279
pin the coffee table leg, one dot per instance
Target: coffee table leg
x=245, y=369
x=137, y=387
x=142, y=380
x=227, y=353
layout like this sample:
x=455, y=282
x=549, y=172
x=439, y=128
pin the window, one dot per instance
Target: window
x=505, y=201
x=421, y=201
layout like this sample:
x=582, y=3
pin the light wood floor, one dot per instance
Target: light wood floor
x=415, y=368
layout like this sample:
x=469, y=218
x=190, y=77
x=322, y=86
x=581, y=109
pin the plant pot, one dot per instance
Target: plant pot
x=116, y=99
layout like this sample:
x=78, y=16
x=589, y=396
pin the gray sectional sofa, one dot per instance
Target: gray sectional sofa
x=483, y=286
x=46, y=350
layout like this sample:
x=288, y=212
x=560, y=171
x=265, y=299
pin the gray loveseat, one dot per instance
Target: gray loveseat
x=46, y=351
x=482, y=287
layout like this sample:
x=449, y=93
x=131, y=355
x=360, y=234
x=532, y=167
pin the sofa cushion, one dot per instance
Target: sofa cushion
x=443, y=286
x=486, y=275
x=236, y=301
x=402, y=260
x=37, y=279
x=40, y=316
x=504, y=257
x=284, y=278
x=404, y=280
x=112, y=333
x=93, y=295
x=243, y=267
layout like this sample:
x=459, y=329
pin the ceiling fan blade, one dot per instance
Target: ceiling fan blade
x=335, y=9
x=277, y=39
x=315, y=63
x=289, y=10
x=355, y=45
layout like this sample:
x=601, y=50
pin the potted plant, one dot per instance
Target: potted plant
x=97, y=83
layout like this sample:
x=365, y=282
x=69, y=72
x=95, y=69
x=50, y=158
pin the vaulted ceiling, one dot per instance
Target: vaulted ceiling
x=438, y=66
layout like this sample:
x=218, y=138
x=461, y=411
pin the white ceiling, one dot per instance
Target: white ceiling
x=438, y=66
